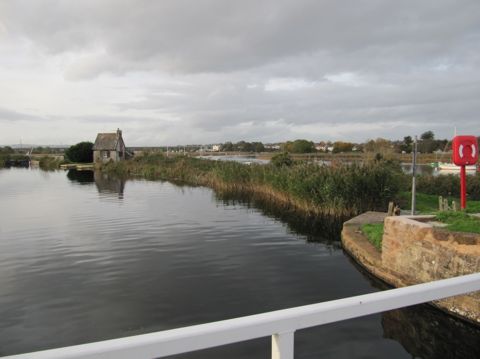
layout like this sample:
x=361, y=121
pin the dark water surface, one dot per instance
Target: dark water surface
x=85, y=258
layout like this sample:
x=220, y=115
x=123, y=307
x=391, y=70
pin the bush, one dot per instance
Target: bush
x=281, y=159
x=448, y=185
x=299, y=146
x=81, y=152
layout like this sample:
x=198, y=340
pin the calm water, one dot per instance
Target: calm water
x=86, y=258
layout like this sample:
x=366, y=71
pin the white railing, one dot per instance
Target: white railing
x=280, y=325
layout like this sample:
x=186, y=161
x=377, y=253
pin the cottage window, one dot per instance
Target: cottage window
x=105, y=154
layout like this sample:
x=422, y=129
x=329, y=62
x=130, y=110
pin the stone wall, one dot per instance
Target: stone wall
x=414, y=251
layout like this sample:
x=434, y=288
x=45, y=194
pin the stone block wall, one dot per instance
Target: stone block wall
x=414, y=251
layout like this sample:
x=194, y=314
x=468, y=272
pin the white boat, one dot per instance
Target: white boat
x=445, y=166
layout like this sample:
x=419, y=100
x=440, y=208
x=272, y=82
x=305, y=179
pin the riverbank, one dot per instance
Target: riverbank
x=7, y=160
x=429, y=203
x=340, y=191
x=415, y=251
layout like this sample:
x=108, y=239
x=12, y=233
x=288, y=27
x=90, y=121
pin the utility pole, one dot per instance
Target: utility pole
x=414, y=174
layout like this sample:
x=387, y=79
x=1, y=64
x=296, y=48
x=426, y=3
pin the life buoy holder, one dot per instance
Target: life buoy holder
x=473, y=150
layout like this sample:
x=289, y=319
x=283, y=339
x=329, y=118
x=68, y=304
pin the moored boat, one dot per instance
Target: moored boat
x=446, y=166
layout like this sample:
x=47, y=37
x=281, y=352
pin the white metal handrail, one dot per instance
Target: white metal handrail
x=280, y=324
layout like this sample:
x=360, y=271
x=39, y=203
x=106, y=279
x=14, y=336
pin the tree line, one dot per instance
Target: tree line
x=427, y=143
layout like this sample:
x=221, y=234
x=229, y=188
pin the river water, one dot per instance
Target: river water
x=85, y=257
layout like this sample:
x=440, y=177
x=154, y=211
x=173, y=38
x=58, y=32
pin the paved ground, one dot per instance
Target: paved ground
x=367, y=217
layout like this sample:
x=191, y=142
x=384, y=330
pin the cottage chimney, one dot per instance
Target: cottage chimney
x=119, y=133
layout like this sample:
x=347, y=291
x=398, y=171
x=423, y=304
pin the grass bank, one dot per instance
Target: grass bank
x=339, y=191
x=374, y=233
x=428, y=203
x=459, y=221
x=5, y=157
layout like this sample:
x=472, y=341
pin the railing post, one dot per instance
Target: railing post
x=282, y=345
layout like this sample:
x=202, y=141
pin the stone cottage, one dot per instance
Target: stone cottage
x=109, y=146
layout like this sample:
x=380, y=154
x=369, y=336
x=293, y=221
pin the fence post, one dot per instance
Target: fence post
x=390, y=211
x=282, y=345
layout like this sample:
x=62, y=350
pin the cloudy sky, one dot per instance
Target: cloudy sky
x=206, y=71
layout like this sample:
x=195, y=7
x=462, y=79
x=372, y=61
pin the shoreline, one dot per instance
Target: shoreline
x=309, y=189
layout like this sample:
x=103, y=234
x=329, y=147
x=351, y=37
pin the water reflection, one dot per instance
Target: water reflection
x=81, y=177
x=421, y=169
x=109, y=185
x=106, y=184
x=315, y=228
x=426, y=332
x=22, y=163
x=170, y=256
x=428, y=170
x=429, y=334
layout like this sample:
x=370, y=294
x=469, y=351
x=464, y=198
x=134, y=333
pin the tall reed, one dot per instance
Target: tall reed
x=339, y=190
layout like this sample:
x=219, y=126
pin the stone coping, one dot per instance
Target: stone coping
x=438, y=232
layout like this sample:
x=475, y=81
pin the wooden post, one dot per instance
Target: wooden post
x=445, y=204
x=440, y=203
x=454, y=206
x=390, y=209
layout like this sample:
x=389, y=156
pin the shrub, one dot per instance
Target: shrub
x=81, y=152
x=448, y=185
x=282, y=159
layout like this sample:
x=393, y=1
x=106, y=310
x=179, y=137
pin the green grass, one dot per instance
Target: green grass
x=374, y=233
x=459, y=221
x=428, y=203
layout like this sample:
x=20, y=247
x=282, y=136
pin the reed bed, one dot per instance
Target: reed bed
x=341, y=190
x=48, y=163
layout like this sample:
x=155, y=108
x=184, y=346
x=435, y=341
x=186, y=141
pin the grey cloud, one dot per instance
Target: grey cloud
x=7, y=115
x=269, y=70
x=219, y=36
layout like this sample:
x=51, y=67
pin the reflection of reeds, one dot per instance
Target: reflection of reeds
x=338, y=190
x=48, y=163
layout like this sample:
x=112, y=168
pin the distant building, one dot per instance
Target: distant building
x=322, y=147
x=216, y=148
x=109, y=147
x=272, y=146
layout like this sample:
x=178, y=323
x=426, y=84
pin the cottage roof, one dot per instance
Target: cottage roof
x=105, y=141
